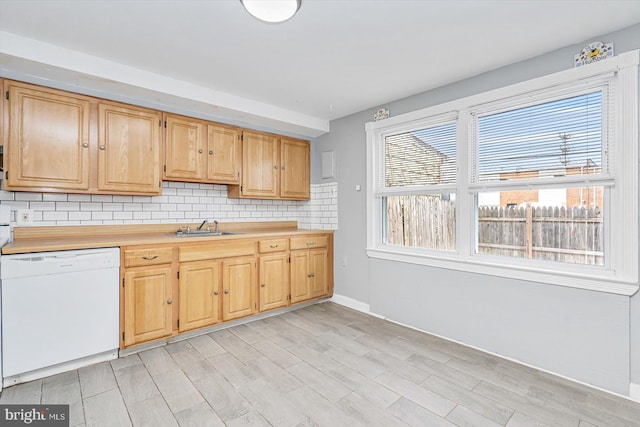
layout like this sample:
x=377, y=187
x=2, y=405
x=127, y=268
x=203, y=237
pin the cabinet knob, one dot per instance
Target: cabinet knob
x=276, y=167
x=226, y=291
x=102, y=147
x=200, y=151
x=85, y=145
x=215, y=292
x=169, y=301
x=262, y=285
x=282, y=168
x=210, y=151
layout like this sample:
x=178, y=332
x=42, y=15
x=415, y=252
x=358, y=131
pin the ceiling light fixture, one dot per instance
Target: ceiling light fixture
x=272, y=11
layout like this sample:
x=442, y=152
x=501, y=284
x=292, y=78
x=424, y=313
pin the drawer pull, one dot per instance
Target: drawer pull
x=150, y=258
x=273, y=246
x=311, y=242
x=311, y=275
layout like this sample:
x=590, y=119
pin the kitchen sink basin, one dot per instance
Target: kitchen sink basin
x=203, y=233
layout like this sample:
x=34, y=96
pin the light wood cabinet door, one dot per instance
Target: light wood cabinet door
x=309, y=274
x=184, y=154
x=239, y=288
x=274, y=281
x=147, y=304
x=48, y=138
x=128, y=149
x=294, y=169
x=199, y=295
x=224, y=154
x=260, y=169
x=300, y=290
x=318, y=283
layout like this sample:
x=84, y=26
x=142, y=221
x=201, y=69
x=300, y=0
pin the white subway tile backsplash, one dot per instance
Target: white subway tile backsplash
x=122, y=215
x=67, y=206
x=179, y=202
x=124, y=199
x=55, y=216
x=28, y=196
x=42, y=206
x=132, y=206
x=141, y=215
x=79, y=216
x=90, y=206
x=112, y=206
x=102, y=215
x=53, y=197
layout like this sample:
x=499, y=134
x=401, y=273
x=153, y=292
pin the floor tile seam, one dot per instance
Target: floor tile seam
x=165, y=399
x=119, y=394
x=476, y=395
x=529, y=404
x=105, y=392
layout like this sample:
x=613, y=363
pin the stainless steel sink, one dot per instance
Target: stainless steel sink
x=202, y=233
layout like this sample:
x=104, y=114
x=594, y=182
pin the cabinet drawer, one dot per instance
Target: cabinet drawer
x=308, y=242
x=147, y=256
x=273, y=245
x=216, y=250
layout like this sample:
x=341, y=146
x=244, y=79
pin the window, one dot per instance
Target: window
x=521, y=151
x=537, y=181
x=418, y=165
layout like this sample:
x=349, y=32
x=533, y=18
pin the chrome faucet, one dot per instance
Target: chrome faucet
x=216, y=224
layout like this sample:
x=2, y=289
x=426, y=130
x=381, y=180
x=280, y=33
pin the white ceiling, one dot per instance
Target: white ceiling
x=334, y=58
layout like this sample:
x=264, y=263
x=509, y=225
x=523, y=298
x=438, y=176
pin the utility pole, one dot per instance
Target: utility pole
x=564, y=147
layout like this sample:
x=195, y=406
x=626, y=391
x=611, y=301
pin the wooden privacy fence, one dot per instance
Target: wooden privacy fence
x=548, y=233
x=406, y=225
x=572, y=235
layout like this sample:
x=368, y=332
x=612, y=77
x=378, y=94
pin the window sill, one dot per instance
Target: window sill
x=610, y=285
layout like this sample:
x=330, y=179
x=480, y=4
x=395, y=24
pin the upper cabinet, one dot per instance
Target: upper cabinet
x=56, y=141
x=273, y=167
x=224, y=154
x=294, y=169
x=199, y=151
x=47, y=138
x=128, y=149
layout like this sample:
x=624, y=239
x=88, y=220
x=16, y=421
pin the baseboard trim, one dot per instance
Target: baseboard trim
x=634, y=389
x=354, y=304
x=634, y=392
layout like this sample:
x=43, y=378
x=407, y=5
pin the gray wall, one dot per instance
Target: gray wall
x=593, y=337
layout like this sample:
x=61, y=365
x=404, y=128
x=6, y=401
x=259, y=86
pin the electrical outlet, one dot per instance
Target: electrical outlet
x=24, y=216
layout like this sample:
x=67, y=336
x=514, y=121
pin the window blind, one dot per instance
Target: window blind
x=422, y=157
x=558, y=138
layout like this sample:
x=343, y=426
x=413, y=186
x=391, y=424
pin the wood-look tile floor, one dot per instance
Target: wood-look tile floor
x=323, y=365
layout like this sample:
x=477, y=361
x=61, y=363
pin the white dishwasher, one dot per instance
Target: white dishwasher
x=60, y=311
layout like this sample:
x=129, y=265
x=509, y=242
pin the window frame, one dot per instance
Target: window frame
x=619, y=275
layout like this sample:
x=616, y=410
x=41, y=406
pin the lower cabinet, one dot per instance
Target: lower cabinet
x=239, y=291
x=147, y=304
x=199, y=284
x=309, y=274
x=171, y=289
x=274, y=281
